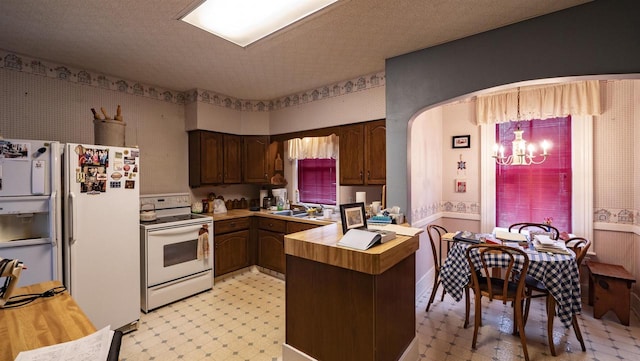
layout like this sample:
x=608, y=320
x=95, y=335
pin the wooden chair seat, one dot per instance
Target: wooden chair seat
x=503, y=288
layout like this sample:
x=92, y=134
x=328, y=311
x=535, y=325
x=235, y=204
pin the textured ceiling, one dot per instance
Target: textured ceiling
x=141, y=40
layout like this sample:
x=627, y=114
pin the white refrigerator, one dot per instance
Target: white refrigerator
x=30, y=208
x=101, y=233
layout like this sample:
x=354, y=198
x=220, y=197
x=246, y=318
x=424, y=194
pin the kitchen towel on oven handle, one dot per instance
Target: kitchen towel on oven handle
x=203, y=242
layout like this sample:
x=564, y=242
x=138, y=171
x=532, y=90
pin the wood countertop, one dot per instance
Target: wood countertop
x=320, y=245
x=43, y=322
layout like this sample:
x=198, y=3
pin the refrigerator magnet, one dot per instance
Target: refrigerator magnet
x=129, y=184
x=79, y=176
x=79, y=149
x=116, y=175
x=118, y=155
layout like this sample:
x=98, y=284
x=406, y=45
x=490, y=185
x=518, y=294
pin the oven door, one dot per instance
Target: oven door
x=176, y=252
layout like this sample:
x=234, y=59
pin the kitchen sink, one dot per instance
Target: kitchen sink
x=291, y=213
x=297, y=213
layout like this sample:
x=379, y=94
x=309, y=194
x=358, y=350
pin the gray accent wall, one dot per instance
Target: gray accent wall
x=594, y=39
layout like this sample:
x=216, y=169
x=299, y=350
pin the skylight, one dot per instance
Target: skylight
x=246, y=21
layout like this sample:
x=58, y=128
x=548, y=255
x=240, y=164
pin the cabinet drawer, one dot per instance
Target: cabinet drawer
x=270, y=224
x=293, y=227
x=231, y=225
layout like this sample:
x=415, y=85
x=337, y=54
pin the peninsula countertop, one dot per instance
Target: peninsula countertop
x=320, y=245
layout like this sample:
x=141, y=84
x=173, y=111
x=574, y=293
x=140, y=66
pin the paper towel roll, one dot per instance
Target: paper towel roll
x=361, y=197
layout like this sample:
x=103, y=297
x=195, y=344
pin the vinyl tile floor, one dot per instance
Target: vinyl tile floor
x=243, y=318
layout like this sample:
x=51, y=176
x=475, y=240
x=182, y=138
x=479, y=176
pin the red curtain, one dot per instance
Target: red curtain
x=536, y=192
x=317, y=181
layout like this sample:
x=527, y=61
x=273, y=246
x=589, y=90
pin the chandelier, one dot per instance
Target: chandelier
x=521, y=153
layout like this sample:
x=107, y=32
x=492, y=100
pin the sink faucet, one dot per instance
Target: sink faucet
x=307, y=206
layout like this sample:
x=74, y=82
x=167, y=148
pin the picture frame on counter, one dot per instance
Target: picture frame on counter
x=352, y=216
x=461, y=141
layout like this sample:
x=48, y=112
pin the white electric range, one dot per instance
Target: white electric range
x=176, y=251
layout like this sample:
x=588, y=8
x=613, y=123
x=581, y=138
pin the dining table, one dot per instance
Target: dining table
x=558, y=272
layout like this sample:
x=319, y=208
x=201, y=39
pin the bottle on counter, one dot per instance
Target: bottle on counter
x=279, y=203
x=205, y=205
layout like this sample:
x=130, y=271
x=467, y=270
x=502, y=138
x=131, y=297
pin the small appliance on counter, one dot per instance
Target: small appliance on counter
x=266, y=197
x=280, y=192
x=267, y=202
x=219, y=206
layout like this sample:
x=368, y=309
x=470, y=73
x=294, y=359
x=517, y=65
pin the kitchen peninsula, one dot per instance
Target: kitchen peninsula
x=346, y=304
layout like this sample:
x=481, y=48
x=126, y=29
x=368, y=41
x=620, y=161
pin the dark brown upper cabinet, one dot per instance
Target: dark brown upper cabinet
x=363, y=153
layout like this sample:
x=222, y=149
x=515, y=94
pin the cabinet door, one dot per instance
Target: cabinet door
x=352, y=154
x=231, y=252
x=232, y=158
x=375, y=152
x=205, y=158
x=271, y=250
x=255, y=159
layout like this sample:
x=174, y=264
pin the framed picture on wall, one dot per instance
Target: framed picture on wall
x=461, y=186
x=461, y=141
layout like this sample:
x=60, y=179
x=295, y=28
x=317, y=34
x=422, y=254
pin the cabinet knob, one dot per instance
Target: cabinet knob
x=368, y=175
x=360, y=174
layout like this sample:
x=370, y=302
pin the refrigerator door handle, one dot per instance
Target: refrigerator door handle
x=52, y=213
x=72, y=218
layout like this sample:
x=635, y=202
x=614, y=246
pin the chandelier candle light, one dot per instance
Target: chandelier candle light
x=521, y=154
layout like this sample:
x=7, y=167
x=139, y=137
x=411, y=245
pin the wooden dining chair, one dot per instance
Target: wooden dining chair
x=484, y=284
x=435, y=233
x=535, y=227
x=536, y=289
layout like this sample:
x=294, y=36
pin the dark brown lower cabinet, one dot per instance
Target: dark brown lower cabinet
x=336, y=314
x=271, y=250
x=231, y=245
x=231, y=252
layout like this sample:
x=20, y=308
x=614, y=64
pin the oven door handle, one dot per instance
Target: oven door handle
x=177, y=230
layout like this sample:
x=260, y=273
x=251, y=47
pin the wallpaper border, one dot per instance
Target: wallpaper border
x=611, y=216
x=31, y=65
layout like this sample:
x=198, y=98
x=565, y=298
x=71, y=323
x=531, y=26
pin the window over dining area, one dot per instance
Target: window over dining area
x=537, y=192
x=578, y=102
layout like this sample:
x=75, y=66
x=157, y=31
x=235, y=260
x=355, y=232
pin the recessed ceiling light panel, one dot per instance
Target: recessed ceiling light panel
x=246, y=21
